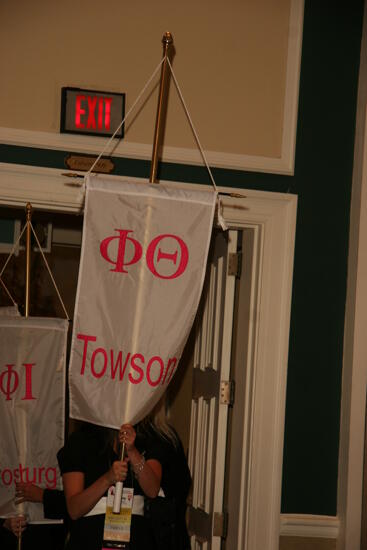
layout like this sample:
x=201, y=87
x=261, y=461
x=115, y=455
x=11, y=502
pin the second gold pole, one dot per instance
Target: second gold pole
x=28, y=258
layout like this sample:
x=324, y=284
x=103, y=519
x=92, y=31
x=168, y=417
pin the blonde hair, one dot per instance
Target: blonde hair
x=157, y=420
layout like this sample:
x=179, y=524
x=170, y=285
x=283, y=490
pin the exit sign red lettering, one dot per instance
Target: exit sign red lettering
x=91, y=112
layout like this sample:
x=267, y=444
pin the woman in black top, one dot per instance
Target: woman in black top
x=42, y=536
x=155, y=460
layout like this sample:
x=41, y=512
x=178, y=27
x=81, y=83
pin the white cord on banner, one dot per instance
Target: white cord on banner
x=165, y=58
x=13, y=250
x=44, y=259
x=8, y=293
x=49, y=271
x=220, y=215
x=192, y=125
x=125, y=117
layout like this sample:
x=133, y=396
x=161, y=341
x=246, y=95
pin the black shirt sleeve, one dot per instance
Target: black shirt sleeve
x=176, y=478
x=72, y=457
x=86, y=452
x=54, y=505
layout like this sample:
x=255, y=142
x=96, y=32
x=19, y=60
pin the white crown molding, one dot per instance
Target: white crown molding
x=73, y=143
x=283, y=165
x=294, y=525
x=44, y=188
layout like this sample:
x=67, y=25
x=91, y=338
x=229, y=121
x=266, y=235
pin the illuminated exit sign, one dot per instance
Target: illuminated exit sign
x=91, y=112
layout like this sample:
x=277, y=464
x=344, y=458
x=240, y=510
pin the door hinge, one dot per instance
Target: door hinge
x=235, y=264
x=220, y=524
x=227, y=392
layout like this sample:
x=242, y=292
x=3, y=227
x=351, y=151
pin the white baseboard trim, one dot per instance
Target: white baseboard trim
x=299, y=525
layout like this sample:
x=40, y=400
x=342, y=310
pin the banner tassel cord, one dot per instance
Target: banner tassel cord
x=220, y=216
x=50, y=273
x=44, y=259
x=8, y=293
x=125, y=118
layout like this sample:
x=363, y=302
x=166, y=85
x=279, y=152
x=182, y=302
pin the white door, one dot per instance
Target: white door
x=209, y=406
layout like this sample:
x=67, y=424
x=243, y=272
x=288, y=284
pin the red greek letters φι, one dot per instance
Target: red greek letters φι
x=9, y=381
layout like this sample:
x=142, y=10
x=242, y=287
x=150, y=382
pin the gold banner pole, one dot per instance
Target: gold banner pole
x=162, y=103
x=167, y=41
x=26, y=311
x=28, y=257
x=19, y=541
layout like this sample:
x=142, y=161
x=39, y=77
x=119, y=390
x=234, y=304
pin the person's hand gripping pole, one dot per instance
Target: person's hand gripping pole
x=118, y=488
x=127, y=437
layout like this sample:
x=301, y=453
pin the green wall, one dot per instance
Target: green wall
x=322, y=181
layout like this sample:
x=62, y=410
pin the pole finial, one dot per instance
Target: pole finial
x=167, y=38
x=28, y=210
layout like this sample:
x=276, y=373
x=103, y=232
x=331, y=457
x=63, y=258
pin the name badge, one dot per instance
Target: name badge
x=117, y=526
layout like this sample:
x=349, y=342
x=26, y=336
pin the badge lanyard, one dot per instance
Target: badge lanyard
x=117, y=526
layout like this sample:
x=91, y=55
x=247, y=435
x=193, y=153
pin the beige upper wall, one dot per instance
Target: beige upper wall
x=230, y=62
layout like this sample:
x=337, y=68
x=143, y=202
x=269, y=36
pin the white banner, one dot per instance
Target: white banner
x=11, y=311
x=143, y=260
x=32, y=406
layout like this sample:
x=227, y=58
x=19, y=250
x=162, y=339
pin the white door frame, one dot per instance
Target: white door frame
x=273, y=217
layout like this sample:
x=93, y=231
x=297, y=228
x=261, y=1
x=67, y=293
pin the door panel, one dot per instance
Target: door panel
x=208, y=427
